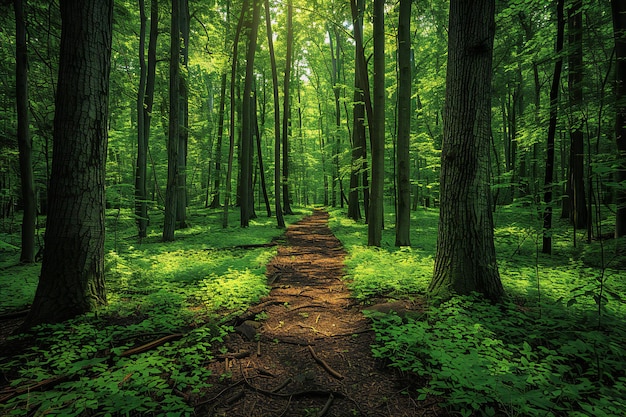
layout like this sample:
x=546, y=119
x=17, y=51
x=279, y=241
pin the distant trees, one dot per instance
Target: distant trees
x=466, y=259
x=72, y=273
x=619, y=28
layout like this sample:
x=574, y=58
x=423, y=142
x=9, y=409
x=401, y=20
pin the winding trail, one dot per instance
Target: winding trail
x=305, y=349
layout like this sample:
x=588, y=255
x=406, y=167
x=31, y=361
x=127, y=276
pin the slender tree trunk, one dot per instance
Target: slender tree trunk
x=173, y=142
x=287, y=110
x=72, y=273
x=247, y=144
x=183, y=132
x=24, y=141
x=619, y=28
x=257, y=134
x=403, y=221
x=554, y=103
x=150, y=77
x=375, y=219
x=578, y=212
x=277, y=184
x=215, y=202
x=466, y=258
x=233, y=83
x=141, y=167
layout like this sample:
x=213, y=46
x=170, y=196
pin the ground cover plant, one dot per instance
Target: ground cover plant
x=555, y=347
x=178, y=295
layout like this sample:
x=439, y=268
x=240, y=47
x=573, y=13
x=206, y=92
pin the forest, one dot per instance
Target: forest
x=313, y=208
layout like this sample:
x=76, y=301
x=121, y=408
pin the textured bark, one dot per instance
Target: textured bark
x=141, y=166
x=24, y=141
x=183, y=131
x=259, y=153
x=215, y=202
x=377, y=139
x=173, y=141
x=287, y=110
x=280, y=221
x=576, y=181
x=554, y=102
x=619, y=29
x=72, y=273
x=403, y=216
x=466, y=259
x=247, y=144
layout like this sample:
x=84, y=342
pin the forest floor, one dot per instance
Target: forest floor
x=306, y=348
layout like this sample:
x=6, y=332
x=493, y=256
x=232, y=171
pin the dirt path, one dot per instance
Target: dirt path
x=306, y=347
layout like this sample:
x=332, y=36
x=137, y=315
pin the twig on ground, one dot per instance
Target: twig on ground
x=324, y=365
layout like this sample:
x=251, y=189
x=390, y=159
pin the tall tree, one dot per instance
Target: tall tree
x=280, y=221
x=215, y=202
x=377, y=139
x=183, y=131
x=72, y=273
x=287, y=109
x=141, y=167
x=554, y=102
x=247, y=121
x=576, y=181
x=619, y=29
x=466, y=259
x=173, y=140
x=403, y=216
x=24, y=141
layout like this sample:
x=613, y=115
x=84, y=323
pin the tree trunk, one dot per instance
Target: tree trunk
x=619, y=28
x=287, y=110
x=151, y=77
x=377, y=139
x=277, y=184
x=24, y=141
x=141, y=167
x=247, y=144
x=257, y=135
x=554, y=103
x=173, y=142
x=215, y=202
x=578, y=205
x=72, y=273
x=403, y=220
x=466, y=259
x=233, y=83
x=183, y=131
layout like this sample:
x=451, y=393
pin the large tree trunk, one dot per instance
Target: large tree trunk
x=377, y=139
x=173, y=141
x=24, y=141
x=151, y=78
x=72, y=274
x=277, y=183
x=554, y=103
x=247, y=144
x=619, y=29
x=287, y=110
x=466, y=259
x=576, y=181
x=403, y=216
x=141, y=166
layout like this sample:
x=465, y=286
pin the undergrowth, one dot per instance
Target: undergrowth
x=188, y=289
x=553, y=348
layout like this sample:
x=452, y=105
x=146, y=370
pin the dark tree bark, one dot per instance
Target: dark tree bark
x=554, y=103
x=277, y=177
x=259, y=151
x=215, y=202
x=233, y=83
x=619, y=28
x=183, y=131
x=173, y=141
x=247, y=143
x=72, y=273
x=466, y=259
x=151, y=73
x=287, y=110
x=576, y=181
x=377, y=139
x=24, y=141
x=403, y=216
x=359, y=151
x=141, y=166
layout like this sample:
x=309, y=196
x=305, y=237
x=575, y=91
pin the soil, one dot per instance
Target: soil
x=305, y=350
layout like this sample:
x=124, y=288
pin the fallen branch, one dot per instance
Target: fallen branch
x=326, y=407
x=39, y=386
x=324, y=365
x=151, y=345
x=238, y=355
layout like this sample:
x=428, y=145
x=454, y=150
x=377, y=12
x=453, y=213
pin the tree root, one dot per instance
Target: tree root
x=151, y=345
x=324, y=365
